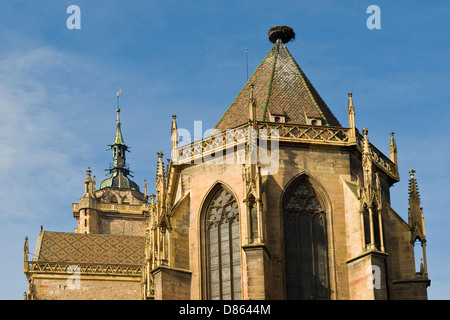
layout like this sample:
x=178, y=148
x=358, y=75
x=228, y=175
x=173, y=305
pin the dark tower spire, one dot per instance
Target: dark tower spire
x=119, y=171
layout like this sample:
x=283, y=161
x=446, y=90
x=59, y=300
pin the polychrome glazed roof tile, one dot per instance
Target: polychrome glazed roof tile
x=280, y=88
x=91, y=248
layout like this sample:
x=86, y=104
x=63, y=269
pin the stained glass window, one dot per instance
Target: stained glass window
x=223, y=254
x=305, y=243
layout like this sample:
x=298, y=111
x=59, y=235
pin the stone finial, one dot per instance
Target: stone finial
x=160, y=165
x=411, y=173
x=174, y=138
x=365, y=131
x=393, y=152
x=25, y=256
x=25, y=247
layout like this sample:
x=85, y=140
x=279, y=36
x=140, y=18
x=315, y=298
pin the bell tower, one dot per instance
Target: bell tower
x=117, y=206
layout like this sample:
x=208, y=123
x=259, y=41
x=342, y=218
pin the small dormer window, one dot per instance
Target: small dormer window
x=277, y=118
x=313, y=121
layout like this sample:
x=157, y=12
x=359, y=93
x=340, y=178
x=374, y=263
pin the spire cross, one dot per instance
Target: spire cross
x=411, y=172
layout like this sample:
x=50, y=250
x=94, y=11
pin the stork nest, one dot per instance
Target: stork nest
x=284, y=33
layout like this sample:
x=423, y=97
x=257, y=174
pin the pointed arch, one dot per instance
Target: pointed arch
x=125, y=200
x=306, y=211
x=113, y=199
x=220, y=244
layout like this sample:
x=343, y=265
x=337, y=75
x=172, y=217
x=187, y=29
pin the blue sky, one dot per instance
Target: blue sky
x=58, y=96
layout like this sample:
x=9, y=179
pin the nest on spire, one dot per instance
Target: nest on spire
x=284, y=33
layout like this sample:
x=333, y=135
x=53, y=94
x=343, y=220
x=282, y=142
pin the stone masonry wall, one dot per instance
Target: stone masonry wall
x=90, y=288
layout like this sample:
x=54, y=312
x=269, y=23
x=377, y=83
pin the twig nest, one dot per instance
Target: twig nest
x=284, y=33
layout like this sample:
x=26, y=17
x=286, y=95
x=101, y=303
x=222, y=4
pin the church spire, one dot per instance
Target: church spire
x=119, y=147
x=119, y=137
x=119, y=171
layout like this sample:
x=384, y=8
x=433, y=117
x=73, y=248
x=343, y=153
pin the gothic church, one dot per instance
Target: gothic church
x=281, y=202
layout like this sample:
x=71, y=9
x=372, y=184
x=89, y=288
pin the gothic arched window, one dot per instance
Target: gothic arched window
x=305, y=239
x=222, y=245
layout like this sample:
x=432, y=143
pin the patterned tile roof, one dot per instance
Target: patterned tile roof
x=90, y=248
x=280, y=88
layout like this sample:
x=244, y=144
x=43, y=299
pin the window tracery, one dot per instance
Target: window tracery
x=222, y=244
x=305, y=243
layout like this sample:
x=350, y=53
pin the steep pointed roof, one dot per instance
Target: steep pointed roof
x=280, y=88
x=119, y=138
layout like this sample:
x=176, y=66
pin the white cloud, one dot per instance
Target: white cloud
x=36, y=141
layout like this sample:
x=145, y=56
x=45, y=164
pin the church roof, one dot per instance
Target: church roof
x=90, y=248
x=280, y=88
x=119, y=180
